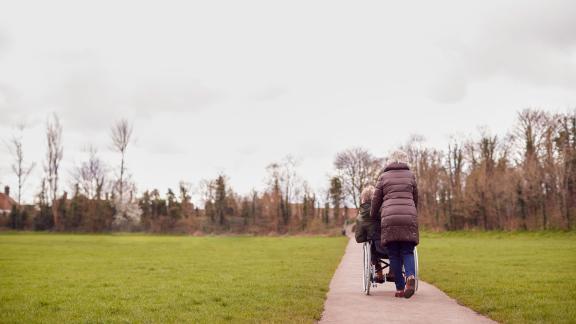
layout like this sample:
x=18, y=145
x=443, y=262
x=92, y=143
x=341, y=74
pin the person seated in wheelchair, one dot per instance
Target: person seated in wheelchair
x=367, y=229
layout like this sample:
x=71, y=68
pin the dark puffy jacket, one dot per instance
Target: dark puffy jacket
x=367, y=228
x=395, y=200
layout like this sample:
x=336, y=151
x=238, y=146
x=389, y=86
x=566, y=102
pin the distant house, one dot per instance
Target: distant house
x=6, y=202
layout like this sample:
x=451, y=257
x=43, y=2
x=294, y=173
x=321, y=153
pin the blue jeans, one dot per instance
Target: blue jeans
x=401, y=254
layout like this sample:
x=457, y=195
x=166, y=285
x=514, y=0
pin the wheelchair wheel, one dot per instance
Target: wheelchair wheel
x=416, y=270
x=367, y=269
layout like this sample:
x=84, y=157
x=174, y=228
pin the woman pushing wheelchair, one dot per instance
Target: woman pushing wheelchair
x=394, y=207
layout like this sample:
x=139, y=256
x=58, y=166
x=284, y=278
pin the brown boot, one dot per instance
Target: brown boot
x=410, y=287
x=390, y=277
x=379, y=277
x=399, y=294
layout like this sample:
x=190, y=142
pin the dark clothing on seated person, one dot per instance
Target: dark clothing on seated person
x=367, y=227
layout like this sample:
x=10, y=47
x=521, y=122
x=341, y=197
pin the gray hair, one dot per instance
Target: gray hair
x=397, y=156
x=366, y=194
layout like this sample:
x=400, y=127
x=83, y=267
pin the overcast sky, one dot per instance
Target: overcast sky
x=230, y=86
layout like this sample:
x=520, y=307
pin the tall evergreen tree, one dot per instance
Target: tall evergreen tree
x=220, y=203
x=336, y=197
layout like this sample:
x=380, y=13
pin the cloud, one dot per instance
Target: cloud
x=9, y=106
x=449, y=82
x=171, y=95
x=535, y=45
x=210, y=89
x=155, y=145
x=270, y=93
x=3, y=42
x=92, y=95
x=85, y=98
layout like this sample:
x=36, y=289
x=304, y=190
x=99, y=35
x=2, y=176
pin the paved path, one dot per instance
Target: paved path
x=346, y=303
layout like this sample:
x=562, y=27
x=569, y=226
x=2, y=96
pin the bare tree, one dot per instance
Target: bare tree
x=530, y=133
x=206, y=190
x=90, y=176
x=284, y=181
x=121, y=133
x=413, y=148
x=357, y=168
x=19, y=167
x=54, y=154
x=186, y=205
x=566, y=146
x=283, y=174
x=289, y=178
x=455, y=174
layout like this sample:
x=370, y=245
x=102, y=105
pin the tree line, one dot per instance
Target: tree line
x=524, y=180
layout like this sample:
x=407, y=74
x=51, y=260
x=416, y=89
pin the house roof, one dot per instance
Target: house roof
x=6, y=202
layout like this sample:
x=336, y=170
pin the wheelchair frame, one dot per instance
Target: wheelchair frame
x=369, y=270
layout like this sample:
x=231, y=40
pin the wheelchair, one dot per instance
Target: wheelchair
x=369, y=274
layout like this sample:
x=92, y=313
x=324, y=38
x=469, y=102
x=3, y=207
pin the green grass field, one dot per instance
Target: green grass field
x=511, y=277
x=142, y=278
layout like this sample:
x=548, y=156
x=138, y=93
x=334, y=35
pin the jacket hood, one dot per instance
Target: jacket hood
x=396, y=166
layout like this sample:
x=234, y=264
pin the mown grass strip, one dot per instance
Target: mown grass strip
x=144, y=278
x=520, y=277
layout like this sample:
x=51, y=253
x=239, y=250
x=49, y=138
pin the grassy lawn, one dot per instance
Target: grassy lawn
x=511, y=277
x=144, y=278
